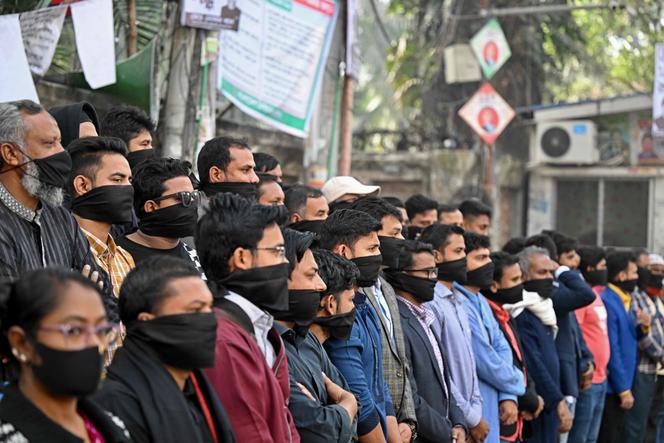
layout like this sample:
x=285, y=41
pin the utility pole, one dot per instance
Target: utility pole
x=346, y=122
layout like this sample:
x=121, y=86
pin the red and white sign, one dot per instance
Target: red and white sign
x=487, y=113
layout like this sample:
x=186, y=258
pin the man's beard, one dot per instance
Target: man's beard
x=47, y=194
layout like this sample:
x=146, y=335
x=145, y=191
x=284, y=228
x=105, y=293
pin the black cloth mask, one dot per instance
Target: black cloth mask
x=303, y=306
x=339, y=326
x=175, y=221
x=454, y=270
x=369, y=266
x=598, y=277
x=655, y=281
x=335, y=206
x=266, y=287
x=53, y=170
x=644, y=277
x=110, y=204
x=414, y=232
x=422, y=289
x=481, y=277
x=135, y=158
x=184, y=341
x=246, y=190
x=628, y=285
x=390, y=247
x=543, y=286
x=69, y=373
x=505, y=296
x=314, y=226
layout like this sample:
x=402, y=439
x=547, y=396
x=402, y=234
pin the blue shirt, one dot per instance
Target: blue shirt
x=359, y=359
x=499, y=379
x=453, y=328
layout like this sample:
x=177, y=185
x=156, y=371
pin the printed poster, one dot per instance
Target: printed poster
x=491, y=48
x=487, y=113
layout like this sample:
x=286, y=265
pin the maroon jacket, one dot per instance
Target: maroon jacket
x=254, y=396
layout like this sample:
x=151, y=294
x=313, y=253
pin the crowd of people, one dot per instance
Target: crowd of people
x=143, y=302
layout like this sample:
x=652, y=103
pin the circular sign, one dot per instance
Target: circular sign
x=488, y=119
x=491, y=53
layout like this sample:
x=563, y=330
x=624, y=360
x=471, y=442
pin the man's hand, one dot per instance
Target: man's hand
x=458, y=434
x=565, y=417
x=587, y=378
x=642, y=318
x=393, y=434
x=626, y=400
x=94, y=277
x=340, y=396
x=509, y=412
x=540, y=406
x=406, y=433
x=480, y=432
x=306, y=392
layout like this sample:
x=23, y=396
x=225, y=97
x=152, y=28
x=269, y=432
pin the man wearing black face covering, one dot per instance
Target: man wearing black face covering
x=353, y=235
x=100, y=184
x=508, y=289
x=500, y=381
x=155, y=383
x=322, y=407
x=166, y=205
x=226, y=165
x=438, y=416
x=242, y=252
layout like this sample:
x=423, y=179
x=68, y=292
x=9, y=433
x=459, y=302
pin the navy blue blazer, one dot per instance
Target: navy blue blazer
x=436, y=413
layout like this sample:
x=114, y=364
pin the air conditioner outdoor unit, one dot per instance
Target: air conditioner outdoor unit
x=565, y=142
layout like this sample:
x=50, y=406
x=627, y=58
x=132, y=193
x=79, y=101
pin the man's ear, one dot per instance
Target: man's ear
x=295, y=217
x=343, y=250
x=145, y=316
x=494, y=287
x=241, y=259
x=150, y=206
x=10, y=155
x=438, y=256
x=622, y=276
x=216, y=175
x=82, y=185
x=329, y=305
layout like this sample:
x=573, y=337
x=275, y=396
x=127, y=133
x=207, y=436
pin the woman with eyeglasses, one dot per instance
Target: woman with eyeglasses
x=166, y=205
x=54, y=334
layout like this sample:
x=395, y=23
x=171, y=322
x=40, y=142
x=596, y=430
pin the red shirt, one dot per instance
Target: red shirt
x=592, y=320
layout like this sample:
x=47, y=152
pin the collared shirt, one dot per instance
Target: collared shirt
x=112, y=258
x=651, y=347
x=262, y=322
x=384, y=308
x=321, y=419
x=455, y=336
x=426, y=318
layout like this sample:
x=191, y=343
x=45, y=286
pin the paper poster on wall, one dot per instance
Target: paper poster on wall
x=212, y=15
x=272, y=67
x=658, y=93
x=95, y=41
x=15, y=77
x=41, y=31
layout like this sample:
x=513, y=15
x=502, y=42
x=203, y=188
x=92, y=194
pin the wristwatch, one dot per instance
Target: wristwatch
x=413, y=430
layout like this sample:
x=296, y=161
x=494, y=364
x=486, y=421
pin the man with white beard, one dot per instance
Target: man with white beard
x=36, y=231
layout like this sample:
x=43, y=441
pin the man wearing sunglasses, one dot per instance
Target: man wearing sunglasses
x=166, y=206
x=414, y=280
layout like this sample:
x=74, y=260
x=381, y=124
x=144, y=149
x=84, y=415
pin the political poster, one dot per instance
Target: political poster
x=41, y=31
x=487, y=113
x=271, y=68
x=212, y=15
x=491, y=48
x=658, y=93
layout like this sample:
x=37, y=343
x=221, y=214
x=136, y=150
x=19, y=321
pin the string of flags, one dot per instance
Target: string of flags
x=28, y=41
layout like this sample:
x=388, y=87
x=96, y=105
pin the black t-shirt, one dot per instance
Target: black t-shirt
x=140, y=252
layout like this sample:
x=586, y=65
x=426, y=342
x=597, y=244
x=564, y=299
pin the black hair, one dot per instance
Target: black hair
x=590, y=257
x=563, y=242
x=217, y=152
x=31, y=297
x=638, y=252
x=150, y=176
x=515, y=245
x=409, y=248
x=445, y=208
x=338, y=273
x=438, y=235
x=476, y=241
x=86, y=154
x=264, y=162
x=396, y=202
x=474, y=208
x=347, y=226
x=297, y=244
x=146, y=286
x=418, y=204
x=27, y=107
x=126, y=122
x=618, y=261
x=296, y=197
x=376, y=207
x=231, y=222
x=543, y=241
x=502, y=260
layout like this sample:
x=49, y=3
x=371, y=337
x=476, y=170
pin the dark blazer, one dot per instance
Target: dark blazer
x=571, y=293
x=436, y=413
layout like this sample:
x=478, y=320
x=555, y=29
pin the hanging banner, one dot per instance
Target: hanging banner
x=491, y=48
x=487, y=113
x=95, y=41
x=272, y=67
x=658, y=93
x=41, y=31
x=15, y=77
x=353, y=51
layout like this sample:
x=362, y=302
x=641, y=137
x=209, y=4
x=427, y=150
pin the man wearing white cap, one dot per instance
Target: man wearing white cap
x=347, y=189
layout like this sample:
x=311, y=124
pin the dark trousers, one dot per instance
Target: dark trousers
x=612, y=429
x=637, y=417
x=655, y=408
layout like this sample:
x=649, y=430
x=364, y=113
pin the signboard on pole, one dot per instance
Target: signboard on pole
x=658, y=93
x=272, y=67
x=487, y=113
x=491, y=48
